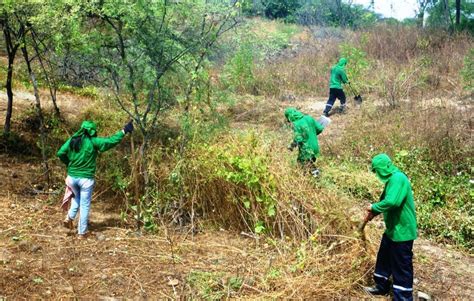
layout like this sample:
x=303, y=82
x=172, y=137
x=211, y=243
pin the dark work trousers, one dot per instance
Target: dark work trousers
x=395, y=259
x=333, y=94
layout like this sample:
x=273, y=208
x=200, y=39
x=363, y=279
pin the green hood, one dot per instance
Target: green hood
x=293, y=114
x=87, y=127
x=338, y=75
x=383, y=167
x=342, y=62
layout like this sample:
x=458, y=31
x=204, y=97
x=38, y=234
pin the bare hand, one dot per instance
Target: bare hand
x=369, y=215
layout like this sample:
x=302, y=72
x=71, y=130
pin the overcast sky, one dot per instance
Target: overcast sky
x=398, y=9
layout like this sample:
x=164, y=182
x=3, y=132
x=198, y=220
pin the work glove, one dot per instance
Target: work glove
x=128, y=128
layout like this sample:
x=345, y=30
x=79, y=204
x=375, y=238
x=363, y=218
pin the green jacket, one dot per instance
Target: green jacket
x=82, y=164
x=338, y=74
x=396, y=202
x=306, y=131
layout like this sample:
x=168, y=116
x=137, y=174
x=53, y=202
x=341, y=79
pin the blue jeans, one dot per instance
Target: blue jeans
x=82, y=189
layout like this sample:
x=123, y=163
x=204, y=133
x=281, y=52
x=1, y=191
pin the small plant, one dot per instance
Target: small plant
x=235, y=283
x=207, y=285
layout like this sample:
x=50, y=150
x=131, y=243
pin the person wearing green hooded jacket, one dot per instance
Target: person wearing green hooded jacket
x=79, y=153
x=395, y=256
x=306, y=131
x=338, y=77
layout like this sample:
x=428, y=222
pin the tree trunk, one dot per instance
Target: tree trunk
x=458, y=12
x=11, y=58
x=51, y=86
x=11, y=53
x=447, y=17
x=340, y=15
x=39, y=112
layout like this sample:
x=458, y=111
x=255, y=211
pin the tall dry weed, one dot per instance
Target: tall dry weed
x=405, y=62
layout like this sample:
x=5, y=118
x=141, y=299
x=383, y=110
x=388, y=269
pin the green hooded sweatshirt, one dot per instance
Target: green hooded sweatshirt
x=396, y=202
x=338, y=74
x=82, y=164
x=306, y=131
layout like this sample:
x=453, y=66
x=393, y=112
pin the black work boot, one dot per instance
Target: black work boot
x=376, y=291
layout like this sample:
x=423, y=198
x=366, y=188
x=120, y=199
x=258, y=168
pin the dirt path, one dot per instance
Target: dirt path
x=70, y=105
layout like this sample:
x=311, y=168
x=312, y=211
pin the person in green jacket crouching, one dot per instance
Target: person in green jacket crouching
x=306, y=131
x=338, y=77
x=395, y=256
x=79, y=153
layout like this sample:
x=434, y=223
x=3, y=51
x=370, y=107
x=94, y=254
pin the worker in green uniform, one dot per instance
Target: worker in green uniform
x=338, y=77
x=395, y=256
x=306, y=131
x=79, y=153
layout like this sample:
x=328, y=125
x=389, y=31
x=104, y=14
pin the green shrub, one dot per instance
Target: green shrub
x=239, y=71
x=357, y=66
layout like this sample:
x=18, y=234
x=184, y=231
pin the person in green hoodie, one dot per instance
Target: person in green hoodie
x=338, y=77
x=79, y=153
x=395, y=256
x=306, y=131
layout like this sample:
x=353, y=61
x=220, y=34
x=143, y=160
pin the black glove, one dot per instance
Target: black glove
x=292, y=146
x=128, y=128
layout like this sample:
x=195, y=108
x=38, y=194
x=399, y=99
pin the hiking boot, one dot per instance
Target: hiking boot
x=375, y=291
x=67, y=223
x=326, y=114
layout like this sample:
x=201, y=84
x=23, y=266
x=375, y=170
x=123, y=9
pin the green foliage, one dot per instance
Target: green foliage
x=314, y=12
x=239, y=71
x=248, y=49
x=443, y=199
x=332, y=13
x=281, y=9
x=249, y=170
x=467, y=71
x=235, y=283
x=437, y=15
x=208, y=285
x=252, y=7
x=212, y=285
x=357, y=64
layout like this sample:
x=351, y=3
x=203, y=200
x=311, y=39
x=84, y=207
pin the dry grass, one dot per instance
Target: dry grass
x=420, y=59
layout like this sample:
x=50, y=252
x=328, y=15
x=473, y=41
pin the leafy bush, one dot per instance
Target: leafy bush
x=358, y=65
x=442, y=198
x=239, y=71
